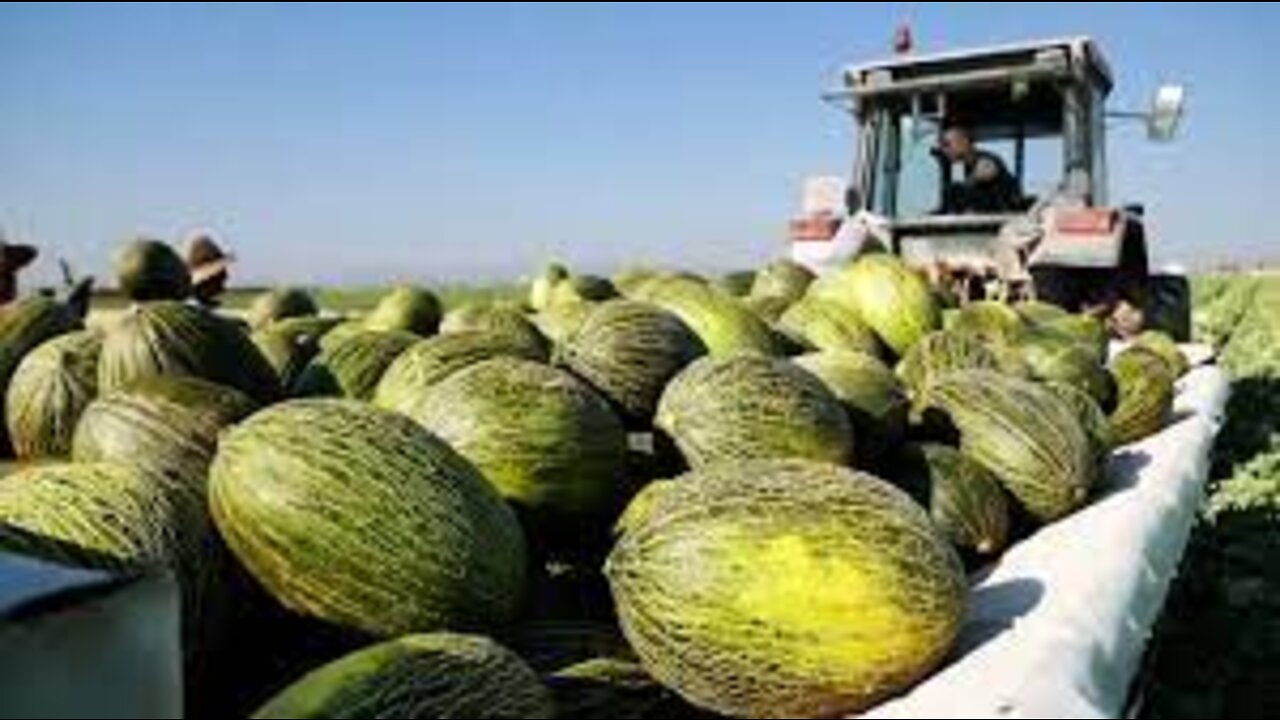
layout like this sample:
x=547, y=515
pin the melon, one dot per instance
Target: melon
x=786, y=588
x=429, y=675
x=749, y=406
x=1026, y=435
x=360, y=517
x=173, y=338
x=354, y=366
x=48, y=391
x=408, y=309
x=544, y=439
x=875, y=399
x=629, y=351
x=429, y=361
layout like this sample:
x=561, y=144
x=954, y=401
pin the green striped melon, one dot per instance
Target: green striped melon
x=406, y=308
x=346, y=328
x=781, y=589
x=1054, y=358
x=964, y=499
x=357, y=516
x=173, y=338
x=1029, y=438
x=429, y=361
x=168, y=426
x=24, y=325
x=782, y=278
x=940, y=353
x=151, y=270
x=353, y=367
x=289, y=344
x=988, y=320
x=1162, y=344
x=819, y=324
x=1092, y=418
x=723, y=324
x=429, y=675
x=891, y=298
x=279, y=304
x=543, y=438
x=1087, y=330
x=47, y=393
x=629, y=351
x=1144, y=395
x=874, y=398
x=500, y=320
x=96, y=515
x=750, y=406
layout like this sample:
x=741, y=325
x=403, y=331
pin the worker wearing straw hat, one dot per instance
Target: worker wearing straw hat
x=208, y=265
x=13, y=258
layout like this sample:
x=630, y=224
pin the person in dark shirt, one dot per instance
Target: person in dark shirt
x=987, y=185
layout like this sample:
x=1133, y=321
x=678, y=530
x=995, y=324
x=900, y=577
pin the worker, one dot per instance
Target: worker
x=987, y=187
x=13, y=258
x=209, y=266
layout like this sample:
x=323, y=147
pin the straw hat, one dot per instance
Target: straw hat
x=205, y=260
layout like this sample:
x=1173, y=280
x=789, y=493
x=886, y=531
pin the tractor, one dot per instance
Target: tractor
x=1041, y=108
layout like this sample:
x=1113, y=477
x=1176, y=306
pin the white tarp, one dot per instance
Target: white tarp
x=1058, y=626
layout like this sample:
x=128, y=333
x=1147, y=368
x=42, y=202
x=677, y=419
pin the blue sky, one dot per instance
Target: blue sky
x=366, y=142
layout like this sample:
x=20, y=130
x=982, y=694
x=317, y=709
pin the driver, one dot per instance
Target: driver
x=987, y=187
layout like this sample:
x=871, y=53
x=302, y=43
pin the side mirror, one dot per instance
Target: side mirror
x=1166, y=112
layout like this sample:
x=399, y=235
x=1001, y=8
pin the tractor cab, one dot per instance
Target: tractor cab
x=1040, y=109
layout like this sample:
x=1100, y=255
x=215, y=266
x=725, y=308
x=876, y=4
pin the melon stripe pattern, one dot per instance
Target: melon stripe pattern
x=500, y=320
x=892, y=299
x=354, y=366
x=47, y=393
x=429, y=361
x=166, y=425
x=1031, y=439
x=97, y=515
x=439, y=675
x=723, y=324
x=752, y=406
x=24, y=325
x=173, y=338
x=629, y=351
x=542, y=437
x=358, y=516
x=940, y=353
x=821, y=324
x=1144, y=394
x=874, y=398
x=782, y=589
x=963, y=498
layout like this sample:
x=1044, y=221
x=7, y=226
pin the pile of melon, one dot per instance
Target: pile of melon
x=646, y=496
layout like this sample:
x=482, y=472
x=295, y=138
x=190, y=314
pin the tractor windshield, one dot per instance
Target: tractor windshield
x=911, y=178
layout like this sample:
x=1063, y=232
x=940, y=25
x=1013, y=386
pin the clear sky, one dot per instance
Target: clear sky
x=364, y=142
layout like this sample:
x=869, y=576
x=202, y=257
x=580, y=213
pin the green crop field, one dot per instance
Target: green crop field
x=1218, y=652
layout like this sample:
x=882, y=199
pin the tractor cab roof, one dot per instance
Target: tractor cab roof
x=994, y=89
